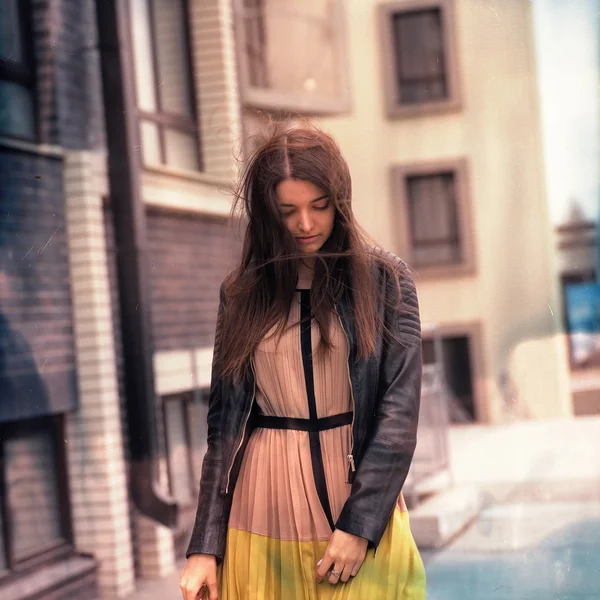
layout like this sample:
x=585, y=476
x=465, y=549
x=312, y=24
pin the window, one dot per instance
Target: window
x=457, y=349
x=34, y=516
x=581, y=301
x=419, y=57
x=16, y=72
x=163, y=78
x=434, y=218
x=291, y=55
x=186, y=442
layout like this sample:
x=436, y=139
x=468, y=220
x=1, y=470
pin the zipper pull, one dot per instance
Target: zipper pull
x=351, y=462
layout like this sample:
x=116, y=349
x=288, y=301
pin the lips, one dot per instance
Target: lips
x=307, y=240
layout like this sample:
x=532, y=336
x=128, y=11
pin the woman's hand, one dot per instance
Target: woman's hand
x=344, y=557
x=200, y=571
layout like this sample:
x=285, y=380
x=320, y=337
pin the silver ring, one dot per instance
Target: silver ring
x=335, y=573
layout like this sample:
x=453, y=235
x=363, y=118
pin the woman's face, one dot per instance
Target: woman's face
x=307, y=212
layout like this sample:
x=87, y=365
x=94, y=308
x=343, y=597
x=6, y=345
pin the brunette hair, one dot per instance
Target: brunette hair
x=259, y=292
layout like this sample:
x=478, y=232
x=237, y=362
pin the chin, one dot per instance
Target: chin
x=311, y=248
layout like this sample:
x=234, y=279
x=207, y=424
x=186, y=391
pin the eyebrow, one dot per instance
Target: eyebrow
x=315, y=200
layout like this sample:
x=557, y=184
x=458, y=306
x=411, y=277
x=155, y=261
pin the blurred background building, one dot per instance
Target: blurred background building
x=122, y=124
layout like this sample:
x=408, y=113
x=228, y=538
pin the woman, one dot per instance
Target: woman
x=314, y=398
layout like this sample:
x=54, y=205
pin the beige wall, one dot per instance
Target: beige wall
x=514, y=294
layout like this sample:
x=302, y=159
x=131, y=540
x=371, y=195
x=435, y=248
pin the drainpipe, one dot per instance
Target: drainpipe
x=129, y=216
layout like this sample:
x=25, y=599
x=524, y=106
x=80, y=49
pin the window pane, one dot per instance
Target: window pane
x=181, y=150
x=178, y=451
x=433, y=219
x=420, y=59
x=308, y=31
x=256, y=43
x=172, y=55
x=32, y=493
x=143, y=57
x=16, y=110
x=150, y=141
x=11, y=47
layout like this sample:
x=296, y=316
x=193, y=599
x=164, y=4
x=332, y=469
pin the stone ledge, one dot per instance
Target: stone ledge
x=440, y=518
x=58, y=580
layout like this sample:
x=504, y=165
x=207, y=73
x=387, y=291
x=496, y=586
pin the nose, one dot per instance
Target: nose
x=305, y=223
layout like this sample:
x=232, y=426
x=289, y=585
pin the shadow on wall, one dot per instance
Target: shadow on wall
x=22, y=389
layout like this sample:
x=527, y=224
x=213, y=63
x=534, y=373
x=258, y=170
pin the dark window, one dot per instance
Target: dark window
x=420, y=56
x=420, y=63
x=186, y=442
x=434, y=228
x=163, y=74
x=34, y=516
x=17, y=114
x=455, y=361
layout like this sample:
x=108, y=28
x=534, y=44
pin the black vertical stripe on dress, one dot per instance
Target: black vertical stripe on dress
x=316, y=453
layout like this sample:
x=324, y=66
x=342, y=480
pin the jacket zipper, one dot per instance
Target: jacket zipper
x=232, y=462
x=350, y=457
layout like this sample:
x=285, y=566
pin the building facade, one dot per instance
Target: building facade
x=445, y=147
x=73, y=468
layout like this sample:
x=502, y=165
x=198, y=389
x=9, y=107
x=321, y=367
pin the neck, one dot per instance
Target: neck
x=306, y=267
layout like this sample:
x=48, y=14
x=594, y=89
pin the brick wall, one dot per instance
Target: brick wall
x=97, y=467
x=215, y=79
x=189, y=256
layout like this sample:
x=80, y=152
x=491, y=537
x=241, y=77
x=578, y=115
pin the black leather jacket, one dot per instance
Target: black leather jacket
x=386, y=391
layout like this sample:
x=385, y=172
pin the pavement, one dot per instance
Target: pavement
x=537, y=536
x=522, y=551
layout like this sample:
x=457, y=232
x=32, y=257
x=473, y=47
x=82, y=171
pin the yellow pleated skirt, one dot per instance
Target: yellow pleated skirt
x=258, y=567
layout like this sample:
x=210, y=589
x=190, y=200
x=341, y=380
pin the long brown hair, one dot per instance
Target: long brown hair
x=259, y=292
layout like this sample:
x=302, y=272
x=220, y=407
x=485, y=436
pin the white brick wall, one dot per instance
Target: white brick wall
x=98, y=484
x=215, y=75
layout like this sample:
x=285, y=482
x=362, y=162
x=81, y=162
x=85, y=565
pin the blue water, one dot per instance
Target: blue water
x=564, y=566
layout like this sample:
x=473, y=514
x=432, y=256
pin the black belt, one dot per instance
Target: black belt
x=311, y=425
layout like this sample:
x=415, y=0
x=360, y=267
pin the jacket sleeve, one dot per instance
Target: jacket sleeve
x=210, y=527
x=384, y=466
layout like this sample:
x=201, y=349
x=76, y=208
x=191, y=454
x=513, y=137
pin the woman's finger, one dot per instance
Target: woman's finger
x=356, y=568
x=346, y=573
x=335, y=573
x=191, y=592
x=212, y=590
x=323, y=567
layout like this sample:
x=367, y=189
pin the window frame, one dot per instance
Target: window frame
x=391, y=85
x=294, y=102
x=459, y=167
x=24, y=73
x=64, y=546
x=165, y=120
